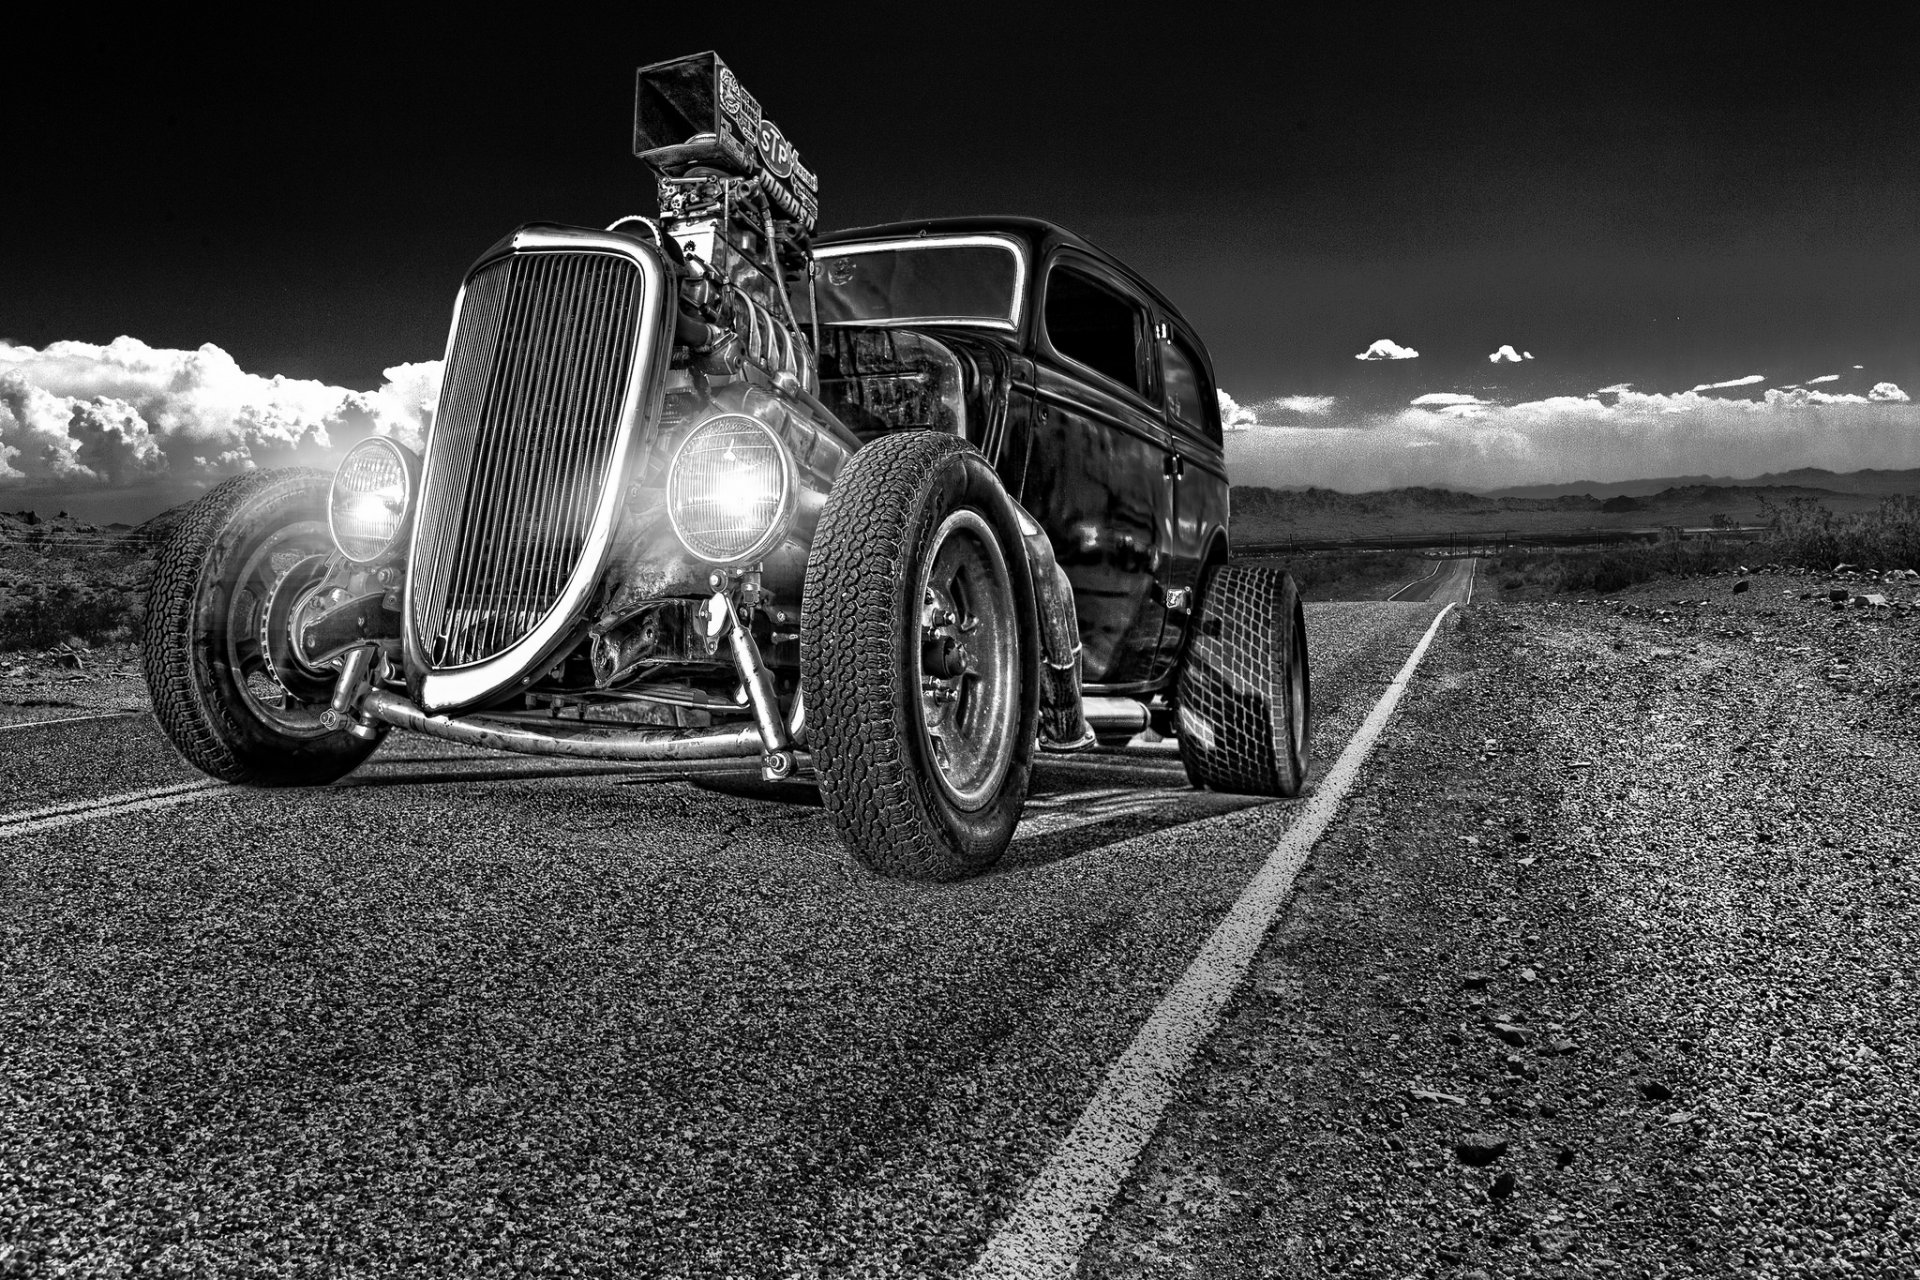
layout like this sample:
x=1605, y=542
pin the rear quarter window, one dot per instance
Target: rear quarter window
x=1186, y=389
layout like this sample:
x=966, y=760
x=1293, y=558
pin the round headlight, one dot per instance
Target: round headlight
x=730, y=489
x=372, y=498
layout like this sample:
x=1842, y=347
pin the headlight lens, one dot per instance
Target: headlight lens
x=730, y=489
x=372, y=498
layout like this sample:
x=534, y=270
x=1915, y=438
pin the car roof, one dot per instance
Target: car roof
x=1039, y=234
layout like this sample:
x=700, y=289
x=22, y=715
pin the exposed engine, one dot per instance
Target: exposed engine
x=736, y=210
x=740, y=409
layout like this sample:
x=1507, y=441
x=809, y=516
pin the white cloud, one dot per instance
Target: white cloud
x=1614, y=389
x=1526, y=355
x=1388, y=349
x=1825, y=377
x=1234, y=416
x=1859, y=366
x=1318, y=406
x=1456, y=441
x=1507, y=355
x=1747, y=381
x=77, y=415
x=1451, y=404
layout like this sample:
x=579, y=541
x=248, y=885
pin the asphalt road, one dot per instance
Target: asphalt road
x=471, y=1014
x=1449, y=581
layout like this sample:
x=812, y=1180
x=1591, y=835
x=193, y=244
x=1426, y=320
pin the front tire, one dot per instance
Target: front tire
x=919, y=660
x=225, y=685
x=1244, y=701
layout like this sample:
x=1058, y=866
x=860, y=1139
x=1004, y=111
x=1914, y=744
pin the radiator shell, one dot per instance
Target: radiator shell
x=550, y=395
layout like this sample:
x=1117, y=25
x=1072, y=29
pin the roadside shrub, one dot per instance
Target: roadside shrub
x=47, y=615
x=1597, y=571
x=1803, y=533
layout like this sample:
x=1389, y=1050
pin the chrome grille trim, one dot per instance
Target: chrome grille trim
x=553, y=367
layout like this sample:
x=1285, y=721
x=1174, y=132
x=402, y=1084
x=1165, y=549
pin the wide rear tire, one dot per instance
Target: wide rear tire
x=919, y=658
x=214, y=646
x=1245, y=701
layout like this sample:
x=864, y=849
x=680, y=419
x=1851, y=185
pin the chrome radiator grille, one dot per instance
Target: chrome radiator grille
x=523, y=446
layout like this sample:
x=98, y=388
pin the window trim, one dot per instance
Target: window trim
x=939, y=242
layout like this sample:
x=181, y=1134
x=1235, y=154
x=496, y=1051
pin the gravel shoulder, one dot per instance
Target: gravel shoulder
x=1606, y=970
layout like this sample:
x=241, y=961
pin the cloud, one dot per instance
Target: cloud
x=1316, y=406
x=77, y=416
x=1825, y=377
x=1747, y=381
x=1234, y=416
x=1388, y=349
x=1614, y=389
x=1453, y=440
x=1507, y=355
x=1451, y=404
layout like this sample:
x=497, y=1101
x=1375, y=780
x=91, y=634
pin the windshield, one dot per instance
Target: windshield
x=966, y=280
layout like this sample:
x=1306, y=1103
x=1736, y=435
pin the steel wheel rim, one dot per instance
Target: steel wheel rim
x=248, y=647
x=965, y=644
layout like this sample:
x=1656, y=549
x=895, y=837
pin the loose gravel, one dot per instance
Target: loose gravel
x=1608, y=970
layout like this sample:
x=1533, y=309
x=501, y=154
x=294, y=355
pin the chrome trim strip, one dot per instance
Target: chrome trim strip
x=941, y=242
x=463, y=686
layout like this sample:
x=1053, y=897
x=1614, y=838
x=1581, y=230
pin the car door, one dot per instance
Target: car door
x=1095, y=477
x=1196, y=477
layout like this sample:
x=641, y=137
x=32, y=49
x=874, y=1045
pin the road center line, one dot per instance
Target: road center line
x=1065, y=1203
x=30, y=821
x=41, y=724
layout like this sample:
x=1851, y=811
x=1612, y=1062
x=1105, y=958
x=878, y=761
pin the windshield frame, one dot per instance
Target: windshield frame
x=969, y=240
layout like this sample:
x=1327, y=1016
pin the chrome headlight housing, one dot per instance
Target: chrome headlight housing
x=372, y=499
x=730, y=489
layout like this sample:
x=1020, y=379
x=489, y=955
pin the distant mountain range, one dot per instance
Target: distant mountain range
x=1881, y=483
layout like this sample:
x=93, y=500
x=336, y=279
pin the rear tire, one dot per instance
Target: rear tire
x=1244, y=701
x=919, y=658
x=214, y=646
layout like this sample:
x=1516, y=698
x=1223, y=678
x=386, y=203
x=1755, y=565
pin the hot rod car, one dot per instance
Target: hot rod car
x=897, y=506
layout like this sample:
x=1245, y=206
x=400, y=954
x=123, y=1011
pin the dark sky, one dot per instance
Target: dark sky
x=1666, y=195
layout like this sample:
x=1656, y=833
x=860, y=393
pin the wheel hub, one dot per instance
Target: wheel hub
x=968, y=651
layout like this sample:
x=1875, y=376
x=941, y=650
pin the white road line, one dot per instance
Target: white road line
x=1472, y=566
x=1066, y=1202
x=32, y=821
x=41, y=724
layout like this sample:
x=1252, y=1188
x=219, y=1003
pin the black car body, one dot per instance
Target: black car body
x=1105, y=428
x=897, y=506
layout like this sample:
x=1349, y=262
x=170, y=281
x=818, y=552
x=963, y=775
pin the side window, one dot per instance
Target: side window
x=1186, y=388
x=1096, y=326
